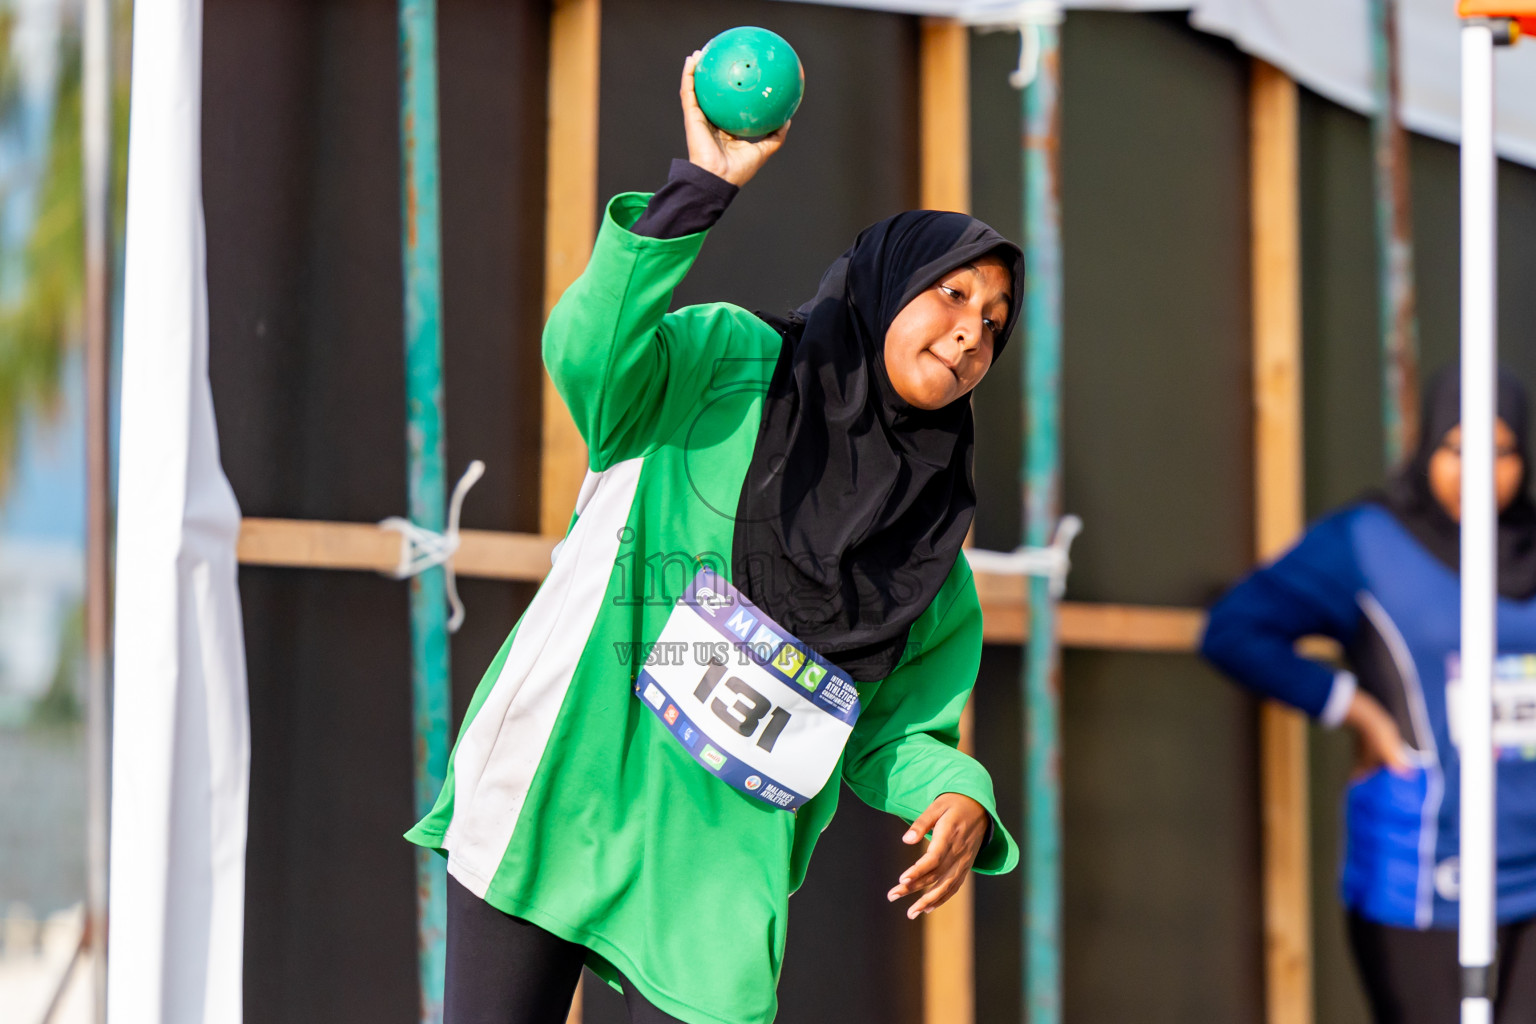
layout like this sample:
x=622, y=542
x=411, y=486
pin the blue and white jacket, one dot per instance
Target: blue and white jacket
x=1360, y=577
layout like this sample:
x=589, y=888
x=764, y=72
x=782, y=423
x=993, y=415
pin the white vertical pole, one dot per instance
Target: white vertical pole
x=1479, y=265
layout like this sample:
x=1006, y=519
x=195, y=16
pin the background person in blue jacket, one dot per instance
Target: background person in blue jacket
x=1380, y=577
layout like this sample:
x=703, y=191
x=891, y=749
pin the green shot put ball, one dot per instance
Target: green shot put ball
x=748, y=81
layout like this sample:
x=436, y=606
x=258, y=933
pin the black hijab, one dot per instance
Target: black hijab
x=1408, y=497
x=855, y=503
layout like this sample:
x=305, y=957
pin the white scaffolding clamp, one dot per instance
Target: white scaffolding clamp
x=1024, y=17
x=1052, y=561
x=421, y=549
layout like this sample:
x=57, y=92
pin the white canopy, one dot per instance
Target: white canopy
x=181, y=731
x=1326, y=46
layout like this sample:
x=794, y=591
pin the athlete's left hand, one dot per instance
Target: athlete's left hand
x=959, y=827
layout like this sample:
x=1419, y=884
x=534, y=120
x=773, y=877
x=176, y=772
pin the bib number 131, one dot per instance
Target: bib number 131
x=746, y=712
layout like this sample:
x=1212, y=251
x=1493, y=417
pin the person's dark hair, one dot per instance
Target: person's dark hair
x=1407, y=494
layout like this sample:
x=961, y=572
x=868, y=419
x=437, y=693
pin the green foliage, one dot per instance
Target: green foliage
x=39, y=327
x=10, y=88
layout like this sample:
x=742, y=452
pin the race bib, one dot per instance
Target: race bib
x=1514, y=704
x=751, y=703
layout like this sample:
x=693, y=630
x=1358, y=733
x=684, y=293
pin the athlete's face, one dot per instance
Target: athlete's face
x=940, y=345
x=1445, y=469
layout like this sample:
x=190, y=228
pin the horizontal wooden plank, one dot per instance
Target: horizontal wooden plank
x=1005, y=619
x=502, y=555
x=299, y=543
x=305, y=544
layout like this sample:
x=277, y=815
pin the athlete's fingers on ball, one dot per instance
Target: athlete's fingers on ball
x=690, y=98
x=770, y=143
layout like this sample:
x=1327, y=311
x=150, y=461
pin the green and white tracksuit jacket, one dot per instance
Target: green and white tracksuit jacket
x=567, y=802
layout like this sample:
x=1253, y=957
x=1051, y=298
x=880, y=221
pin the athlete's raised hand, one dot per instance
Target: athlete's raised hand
x=721, y=154
x=959, y=827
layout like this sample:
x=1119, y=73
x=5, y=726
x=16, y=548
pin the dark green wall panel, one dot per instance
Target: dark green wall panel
x=1161, y=844
x=1340, y=363
x=1160, y=767
x=300, y=174
x=1155, y=367
x=1339, y=305
x=1161, y=816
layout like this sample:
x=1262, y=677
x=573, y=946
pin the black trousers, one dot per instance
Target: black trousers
x=504, y=970
x=1412, y=977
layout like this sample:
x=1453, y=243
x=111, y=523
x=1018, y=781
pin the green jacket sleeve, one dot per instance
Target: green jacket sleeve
x=904, y=750
x=630, y=372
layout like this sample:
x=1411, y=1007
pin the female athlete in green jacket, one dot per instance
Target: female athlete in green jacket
x=762, y=592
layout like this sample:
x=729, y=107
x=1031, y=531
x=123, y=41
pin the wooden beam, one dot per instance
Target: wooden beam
x=570, y=187
x=949, y=973
x=1004, y=604
x=949, y=944
x=500, y=555
x=497, y=555
x=301, y=544
x=570, y=227
x=1276, y=268
x=945, y=111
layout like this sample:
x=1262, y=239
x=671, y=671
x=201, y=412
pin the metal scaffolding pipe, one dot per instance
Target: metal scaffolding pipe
x=96, y=148
x=1042, y=499
x=1399, y=329
x=430, y=690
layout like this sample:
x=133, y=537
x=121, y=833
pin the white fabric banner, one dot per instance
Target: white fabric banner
x=1326, y=46
x=181, y=732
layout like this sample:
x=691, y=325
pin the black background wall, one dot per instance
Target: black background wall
x=1159, y=755
x=302, y=191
